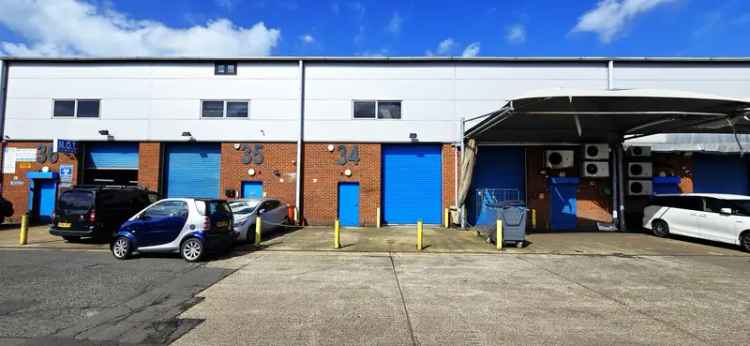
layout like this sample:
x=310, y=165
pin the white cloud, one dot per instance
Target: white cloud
x=471, y=50
x=307, y=39
x=73, y=27
x=445, y=47
x=394, y=25
x=516, y=34
x=610, y=17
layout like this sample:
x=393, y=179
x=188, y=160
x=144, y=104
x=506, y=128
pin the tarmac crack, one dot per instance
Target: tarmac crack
x=618, y=302
x=403, y=302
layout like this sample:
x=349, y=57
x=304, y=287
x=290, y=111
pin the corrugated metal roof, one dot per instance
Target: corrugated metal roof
x=386, y=59
x=694, y=142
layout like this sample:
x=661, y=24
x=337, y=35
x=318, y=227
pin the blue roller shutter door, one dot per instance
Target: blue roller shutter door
x=496, y=168
x=713, y=173
x=412, y=183
x=113, y=156
x=192, y=170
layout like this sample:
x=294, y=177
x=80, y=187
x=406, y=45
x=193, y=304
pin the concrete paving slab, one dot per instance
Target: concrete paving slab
x=437, y=299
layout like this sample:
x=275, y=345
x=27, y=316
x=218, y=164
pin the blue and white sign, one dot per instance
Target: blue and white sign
x=66, y=146
x=66, y=173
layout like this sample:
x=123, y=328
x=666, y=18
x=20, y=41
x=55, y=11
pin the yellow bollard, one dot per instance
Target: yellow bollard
x=258, y=227
x=24, y=236
x=445, y=218
x=533, y=218
x=419, y=235
x=499, y=235
x=337, y=235
x=377, y=223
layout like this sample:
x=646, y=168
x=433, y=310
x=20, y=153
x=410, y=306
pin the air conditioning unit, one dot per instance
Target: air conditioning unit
x=557, y=159
x=596, y=152
x=637, y=151
x=640, y=188
x=595, y=169
x=640, y=169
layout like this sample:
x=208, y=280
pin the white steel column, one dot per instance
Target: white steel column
x=300, y=145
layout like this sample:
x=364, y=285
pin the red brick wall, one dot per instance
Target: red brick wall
x=322, y=175
x=449, y=177
x=149, y=165
x=277, y=172
x=592, y=203
x=19, y=194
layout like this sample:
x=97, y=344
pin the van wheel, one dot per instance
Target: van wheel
x=745, y=241
x=71, y=239
x=660, y=228
x=192, y=250
x=121, y=248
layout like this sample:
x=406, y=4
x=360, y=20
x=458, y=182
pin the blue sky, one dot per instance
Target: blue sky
x=369, y=27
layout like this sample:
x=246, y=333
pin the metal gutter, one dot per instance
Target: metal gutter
x=380, y=59
x=3, y=102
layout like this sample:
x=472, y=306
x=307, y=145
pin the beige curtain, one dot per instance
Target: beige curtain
x=468, y=159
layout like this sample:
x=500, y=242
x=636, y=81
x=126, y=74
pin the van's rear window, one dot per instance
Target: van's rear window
x=76, y=200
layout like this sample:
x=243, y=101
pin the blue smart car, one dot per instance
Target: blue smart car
x=189, y=226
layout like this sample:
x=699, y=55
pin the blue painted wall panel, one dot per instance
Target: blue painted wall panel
x=563, y=203
x=112, y=155
x=496, y=168
x=412, y=183
x=348, y=211
x=192, y=170
x=720, y=174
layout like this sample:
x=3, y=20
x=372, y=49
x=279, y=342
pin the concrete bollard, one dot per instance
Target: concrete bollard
x=533, y=218
x=419, y=235
x=377, y=222
x=24, y=235
x=499, y=235
x=337, y=234
x=258, y=228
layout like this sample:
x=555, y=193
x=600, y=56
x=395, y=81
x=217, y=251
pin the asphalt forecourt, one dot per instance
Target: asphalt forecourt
x=325, y=298
x=62, y=297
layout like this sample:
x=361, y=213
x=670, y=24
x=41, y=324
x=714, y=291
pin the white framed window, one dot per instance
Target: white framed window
x=214, y=109
x=225, y=68
x=376, y=109
x=76, y=108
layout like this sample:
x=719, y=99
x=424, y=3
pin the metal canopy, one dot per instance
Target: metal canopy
x=579, y=116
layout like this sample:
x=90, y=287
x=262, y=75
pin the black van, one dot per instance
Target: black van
x=97, y=211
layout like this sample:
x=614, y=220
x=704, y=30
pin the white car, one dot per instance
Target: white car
x=718, y=217
x=272, y=212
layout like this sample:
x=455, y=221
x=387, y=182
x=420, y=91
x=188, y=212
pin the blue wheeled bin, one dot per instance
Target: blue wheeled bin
x=514, y=225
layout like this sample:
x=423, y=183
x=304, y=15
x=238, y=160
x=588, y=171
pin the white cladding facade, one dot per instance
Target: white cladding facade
x=158, y=100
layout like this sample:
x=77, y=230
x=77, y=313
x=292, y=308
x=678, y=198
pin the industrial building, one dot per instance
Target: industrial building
x=365, y=140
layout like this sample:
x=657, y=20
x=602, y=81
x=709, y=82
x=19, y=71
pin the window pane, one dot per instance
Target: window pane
x=220, y=69
x=88, y=108
x=231, y=69
x=213, y=109
x=64, y=108
x=364, y=109
x=389, y=110
x=237, y=109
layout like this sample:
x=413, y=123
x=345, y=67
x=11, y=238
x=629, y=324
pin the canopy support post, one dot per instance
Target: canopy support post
x=462, y=208
x=620, y=153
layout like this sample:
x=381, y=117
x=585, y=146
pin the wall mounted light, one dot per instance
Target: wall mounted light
x=348, y=172
x=413, y=137
x=331, y=147
x=189, y=135
x=104, y=132
x=251, y=172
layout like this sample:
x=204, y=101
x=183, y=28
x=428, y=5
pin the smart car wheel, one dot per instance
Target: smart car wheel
x=745, y=241
x=192, y=249
x=121, y=248
x=660, y=228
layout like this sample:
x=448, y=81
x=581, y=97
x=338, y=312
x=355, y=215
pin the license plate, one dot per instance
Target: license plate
x=222, y=224
x=63, y=224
